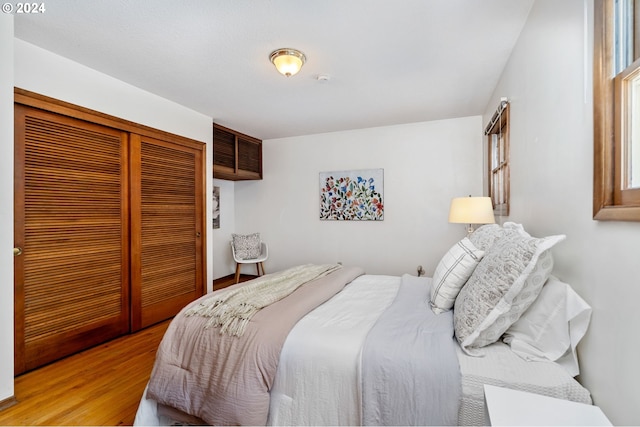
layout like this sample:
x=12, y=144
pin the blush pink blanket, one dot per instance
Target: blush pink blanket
x=223, y=379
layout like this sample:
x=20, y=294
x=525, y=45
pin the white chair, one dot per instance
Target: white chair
x=264, y=254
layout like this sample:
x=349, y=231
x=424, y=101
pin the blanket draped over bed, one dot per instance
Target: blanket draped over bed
x=225, y=379
x=413, y=377
x=232, y=309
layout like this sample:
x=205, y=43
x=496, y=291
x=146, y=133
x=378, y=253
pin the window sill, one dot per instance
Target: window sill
x=617, y=213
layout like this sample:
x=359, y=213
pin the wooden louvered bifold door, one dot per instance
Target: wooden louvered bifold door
x=166, y=221
x=72, y=279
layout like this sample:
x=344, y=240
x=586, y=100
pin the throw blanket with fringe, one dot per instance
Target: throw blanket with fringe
x=232, y=309
x=223, y=379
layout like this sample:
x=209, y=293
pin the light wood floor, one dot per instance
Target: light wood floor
x=223, y=282
x=100, y=386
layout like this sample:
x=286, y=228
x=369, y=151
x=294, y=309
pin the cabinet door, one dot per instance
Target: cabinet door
x=71, y=220
x=236, y=156
x=167, y=227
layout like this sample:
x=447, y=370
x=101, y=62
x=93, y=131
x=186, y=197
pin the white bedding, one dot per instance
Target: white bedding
x=312, y=390
x=318, y=377
x=498, y=365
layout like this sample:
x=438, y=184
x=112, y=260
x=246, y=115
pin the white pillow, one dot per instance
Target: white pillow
x=552, y=327
x=452, y=272
x=504, y=284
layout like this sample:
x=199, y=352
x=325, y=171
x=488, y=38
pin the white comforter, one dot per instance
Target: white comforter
x=309, y=390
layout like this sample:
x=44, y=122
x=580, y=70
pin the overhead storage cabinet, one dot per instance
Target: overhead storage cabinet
x=236, y=156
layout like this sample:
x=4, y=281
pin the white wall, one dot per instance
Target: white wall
x=46, y=73
x=6, y=206
x=222, y=258
x=43, y=72
x=548, y=80
x=425, y=165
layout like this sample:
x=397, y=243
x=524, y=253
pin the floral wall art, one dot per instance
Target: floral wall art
x=352, y=195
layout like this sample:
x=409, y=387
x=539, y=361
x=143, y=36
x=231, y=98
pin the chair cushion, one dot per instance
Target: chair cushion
x=246, y=246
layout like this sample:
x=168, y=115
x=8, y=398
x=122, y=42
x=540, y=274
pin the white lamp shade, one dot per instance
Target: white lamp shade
x=471, y=210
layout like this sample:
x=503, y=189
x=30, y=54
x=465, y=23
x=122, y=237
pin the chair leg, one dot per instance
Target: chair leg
x=262, y=265
x=258, y=268
x=237, y=272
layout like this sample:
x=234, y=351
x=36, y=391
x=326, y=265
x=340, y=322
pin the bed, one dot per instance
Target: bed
x=349, y=357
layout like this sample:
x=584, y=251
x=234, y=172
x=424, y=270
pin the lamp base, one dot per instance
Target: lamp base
x=469, y=229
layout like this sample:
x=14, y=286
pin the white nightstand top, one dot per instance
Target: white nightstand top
x=506, y=407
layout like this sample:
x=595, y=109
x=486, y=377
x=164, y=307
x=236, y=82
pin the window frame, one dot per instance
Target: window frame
x=499, y=125
x=611, y=202
x=623, y=195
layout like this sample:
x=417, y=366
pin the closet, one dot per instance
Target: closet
x=109, y=227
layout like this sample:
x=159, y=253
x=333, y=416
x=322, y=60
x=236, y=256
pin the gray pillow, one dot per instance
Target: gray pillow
x=504, y=284
x=246, y=246
x=484, y=236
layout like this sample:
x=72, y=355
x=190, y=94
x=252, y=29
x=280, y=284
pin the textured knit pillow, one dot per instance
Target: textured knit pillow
x=485, y=235
x=452, y=272
x=502, y=287
x=246, y=246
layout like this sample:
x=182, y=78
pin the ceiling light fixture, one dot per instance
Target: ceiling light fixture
x=287, y=61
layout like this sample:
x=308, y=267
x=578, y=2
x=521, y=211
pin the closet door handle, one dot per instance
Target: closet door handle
x=17, y=251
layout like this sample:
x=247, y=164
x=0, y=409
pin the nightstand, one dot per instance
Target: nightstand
x=506, y=407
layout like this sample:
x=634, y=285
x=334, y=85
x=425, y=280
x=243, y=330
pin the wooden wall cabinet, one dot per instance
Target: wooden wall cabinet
x=236, y=156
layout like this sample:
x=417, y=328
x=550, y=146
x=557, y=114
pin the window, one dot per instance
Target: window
x=616, y=77
x=497, y=132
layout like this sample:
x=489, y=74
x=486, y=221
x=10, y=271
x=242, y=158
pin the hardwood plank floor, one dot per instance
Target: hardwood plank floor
x=99, y=386
x=225, y=281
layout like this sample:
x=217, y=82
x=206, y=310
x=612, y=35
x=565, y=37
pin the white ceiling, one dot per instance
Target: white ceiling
x=389, y=62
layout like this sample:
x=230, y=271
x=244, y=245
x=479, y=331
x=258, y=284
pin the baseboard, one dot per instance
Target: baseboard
x=8, y=402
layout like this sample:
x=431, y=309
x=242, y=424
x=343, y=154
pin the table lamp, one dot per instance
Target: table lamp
x=470, y=211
